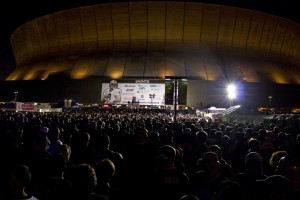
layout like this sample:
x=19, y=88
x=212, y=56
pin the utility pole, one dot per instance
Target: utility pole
x=16, y=96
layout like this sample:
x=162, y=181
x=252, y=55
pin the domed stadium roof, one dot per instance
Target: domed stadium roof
x=158, y=39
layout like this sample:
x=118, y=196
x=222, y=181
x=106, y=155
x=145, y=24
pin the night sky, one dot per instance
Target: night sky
x=14, y=13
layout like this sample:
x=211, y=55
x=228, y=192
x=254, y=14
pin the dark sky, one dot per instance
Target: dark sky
x=14, y=13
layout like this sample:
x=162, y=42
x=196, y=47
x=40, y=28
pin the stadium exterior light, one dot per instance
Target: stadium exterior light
x=231, y=93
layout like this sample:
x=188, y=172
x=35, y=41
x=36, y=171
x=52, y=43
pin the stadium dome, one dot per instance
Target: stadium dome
x=158, y=39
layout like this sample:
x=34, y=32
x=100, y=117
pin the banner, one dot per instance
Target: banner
x=20, y=106
x=139, y=92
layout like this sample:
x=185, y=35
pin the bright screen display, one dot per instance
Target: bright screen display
x=141, y=92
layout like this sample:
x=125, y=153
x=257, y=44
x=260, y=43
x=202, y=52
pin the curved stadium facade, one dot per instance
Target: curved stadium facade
x=204, y=43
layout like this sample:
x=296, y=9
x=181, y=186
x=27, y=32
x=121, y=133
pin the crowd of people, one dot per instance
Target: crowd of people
x=115, y=153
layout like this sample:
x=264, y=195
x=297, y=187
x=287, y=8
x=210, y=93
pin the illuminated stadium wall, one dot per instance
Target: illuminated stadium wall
x=156, y=39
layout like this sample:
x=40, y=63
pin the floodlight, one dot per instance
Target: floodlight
x=231, y=91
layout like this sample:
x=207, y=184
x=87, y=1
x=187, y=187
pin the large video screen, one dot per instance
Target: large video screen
x=139, y=92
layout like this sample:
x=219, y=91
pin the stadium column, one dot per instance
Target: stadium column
x=175, y=98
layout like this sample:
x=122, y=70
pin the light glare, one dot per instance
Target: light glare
x=231, y=91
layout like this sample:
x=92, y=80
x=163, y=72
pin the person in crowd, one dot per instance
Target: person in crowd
x=272, y=163
x=84, y=181
x=103, y=152
x=55, y=142
x=39, y=149
x=275, y=187
x=105, y=171
x=254, y=145
x=224, y=166
x=148, y=157
x=168, y=182
x=253, y=171
x=37, y=157
x=229, y=189
x=19, y=180
x=205, y=181
x=289, y=167
x=189, y=197
x=167, y=138
x=82, y=152
x=64, y=153
x=52, y=183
